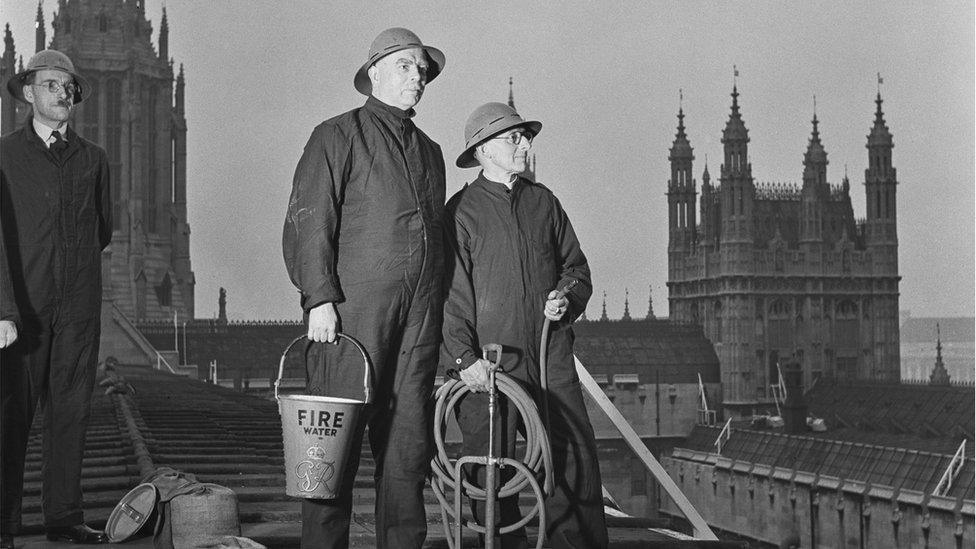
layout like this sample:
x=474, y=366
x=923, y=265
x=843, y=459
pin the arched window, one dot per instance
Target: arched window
x=845, y=333
x=780, y=325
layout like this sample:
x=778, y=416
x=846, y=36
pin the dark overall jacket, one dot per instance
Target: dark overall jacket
x=56, y=217
x=511, y=248
x=363, y=231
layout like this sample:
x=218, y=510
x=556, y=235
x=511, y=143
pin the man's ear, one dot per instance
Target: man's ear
x=28, y=93
x=371, y=72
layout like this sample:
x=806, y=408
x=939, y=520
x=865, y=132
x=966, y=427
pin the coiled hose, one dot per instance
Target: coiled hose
x=537, y=460
x=538, y=453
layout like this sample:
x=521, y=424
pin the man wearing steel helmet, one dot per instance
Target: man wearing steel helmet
x=513, y=248
x=363, y=244
x=56, y=216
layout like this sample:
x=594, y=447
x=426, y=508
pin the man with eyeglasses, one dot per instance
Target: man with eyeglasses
x=363, y=243
x=56, y=216
x=516, y=262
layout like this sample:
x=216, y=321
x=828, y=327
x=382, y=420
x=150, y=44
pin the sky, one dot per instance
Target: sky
x=604, y=79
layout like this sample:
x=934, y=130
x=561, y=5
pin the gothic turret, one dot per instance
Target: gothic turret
x=737, y=190
x=880, y=183
x=180, y=91
x=879, y=178
x=815, y=190
x=939, y=376
x=626, y=305
x=164, y=37
x=709, y=221
x=40, y=33
x=650, y=303
x=8, y=106
x=682, y=193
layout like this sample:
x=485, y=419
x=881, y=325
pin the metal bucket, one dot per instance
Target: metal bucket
x=317, y=432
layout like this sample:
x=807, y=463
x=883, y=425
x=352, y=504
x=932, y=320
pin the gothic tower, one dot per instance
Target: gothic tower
x=781, y=272
x=881, y=237
x=133, y=114
x=736, y=187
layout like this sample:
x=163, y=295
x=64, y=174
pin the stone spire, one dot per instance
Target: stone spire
x=40, y=33
x=8, y=107
x=180, y=91
x=650, y=303
x=815, y=159
x=940, y=376
x=164, y=36
x=511, y=95
x=603, y=317
x=626, y=305
x=880, y=184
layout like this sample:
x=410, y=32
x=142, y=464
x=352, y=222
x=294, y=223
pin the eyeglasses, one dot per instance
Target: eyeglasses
x=515, y=138
x=56, y=87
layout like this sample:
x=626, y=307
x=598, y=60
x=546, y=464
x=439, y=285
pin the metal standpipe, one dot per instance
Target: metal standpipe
x=450, y=475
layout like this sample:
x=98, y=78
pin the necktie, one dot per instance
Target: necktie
x=59, y=144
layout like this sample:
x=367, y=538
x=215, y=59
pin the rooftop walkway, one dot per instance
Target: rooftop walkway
x=232, y=439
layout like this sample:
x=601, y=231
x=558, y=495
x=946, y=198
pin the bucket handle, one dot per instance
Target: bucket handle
x=366, y=369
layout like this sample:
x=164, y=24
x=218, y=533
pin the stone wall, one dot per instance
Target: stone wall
x=769, y=505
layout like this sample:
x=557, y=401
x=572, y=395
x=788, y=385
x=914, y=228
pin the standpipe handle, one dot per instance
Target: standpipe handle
x=367, y=392
x=489, y=348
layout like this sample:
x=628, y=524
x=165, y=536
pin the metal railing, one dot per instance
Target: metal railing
x=706, y=416
x=951, y=472
x=701, y=529
x=723, y=436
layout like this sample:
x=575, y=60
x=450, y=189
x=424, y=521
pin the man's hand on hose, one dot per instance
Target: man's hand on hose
x=323, y=323
x=8, y=333
x=555, y=306
x=476, y=375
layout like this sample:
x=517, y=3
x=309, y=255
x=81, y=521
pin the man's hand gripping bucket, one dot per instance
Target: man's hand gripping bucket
x=316, y=432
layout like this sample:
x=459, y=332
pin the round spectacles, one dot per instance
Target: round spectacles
x=56, y=87
x=515, y=138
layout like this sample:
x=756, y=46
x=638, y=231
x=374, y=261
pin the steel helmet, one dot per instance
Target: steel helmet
x=486, y=122
x=394, y=40
x=48, y=60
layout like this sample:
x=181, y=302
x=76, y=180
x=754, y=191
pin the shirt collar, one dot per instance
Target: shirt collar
x=44, y=131
x=496, y=188
x=382, y=109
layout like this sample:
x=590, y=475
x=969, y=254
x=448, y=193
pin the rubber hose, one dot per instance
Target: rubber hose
x=538, y=454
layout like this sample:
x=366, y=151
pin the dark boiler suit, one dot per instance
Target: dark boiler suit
x=511, y=248
x=364, y=231
x=56, y=216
